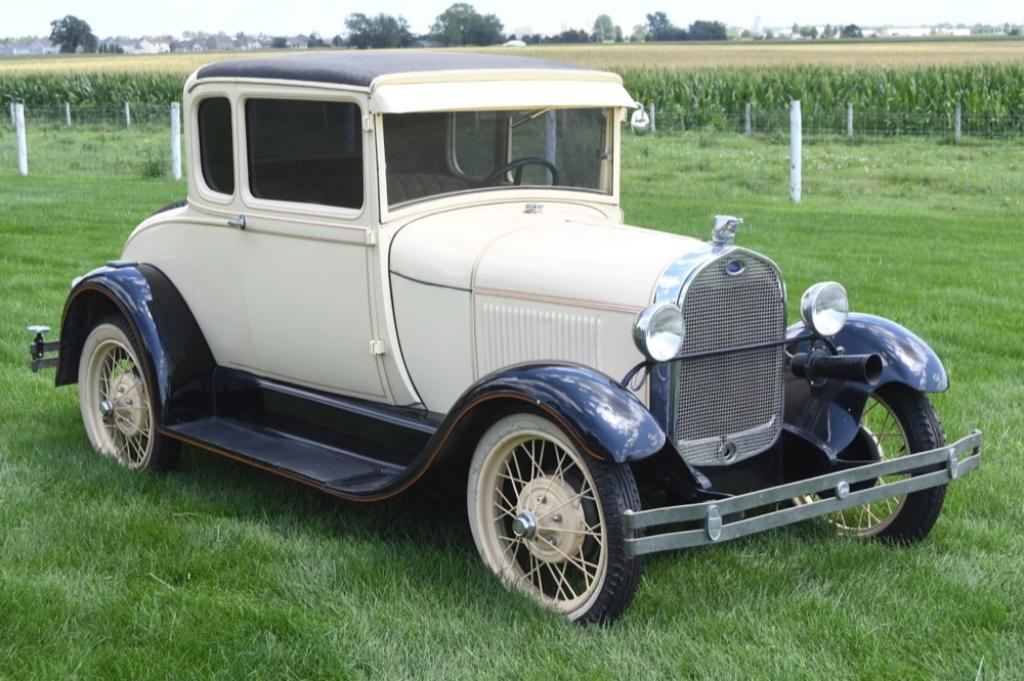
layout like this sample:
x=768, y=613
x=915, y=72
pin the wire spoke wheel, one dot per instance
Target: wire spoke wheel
x=895, y=423
x=538, y=516
x=115, y=399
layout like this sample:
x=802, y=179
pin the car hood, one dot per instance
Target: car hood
x=563, y=255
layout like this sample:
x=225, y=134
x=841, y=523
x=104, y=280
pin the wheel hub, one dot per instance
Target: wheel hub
x=549, y=514
x=127, y=408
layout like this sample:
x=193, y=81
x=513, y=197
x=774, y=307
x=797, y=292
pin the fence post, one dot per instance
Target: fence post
x=748, y=124
x=956, y=124
x=651, y=111
x=795, y=143
x=127, y=116
x=11, y=109
x=19, y=127
x=67, y=113
x=849, y=122
x=176, y=140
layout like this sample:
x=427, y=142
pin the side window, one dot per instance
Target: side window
x=215, y=147
x=305, y=151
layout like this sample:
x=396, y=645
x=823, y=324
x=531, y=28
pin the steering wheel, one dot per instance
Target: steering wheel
x=518, y=165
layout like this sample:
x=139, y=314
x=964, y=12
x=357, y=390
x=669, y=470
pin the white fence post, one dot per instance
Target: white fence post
x=19, y=126
x=651, y=111
x=176, y=141
x=956, y=124
x=127, y=116
x=795, y=144
x=849, y=122
x=67, y=113
x=11, y=109
x=748, y=123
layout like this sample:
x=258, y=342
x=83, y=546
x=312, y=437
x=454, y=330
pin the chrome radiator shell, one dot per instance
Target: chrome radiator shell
x=724, y=407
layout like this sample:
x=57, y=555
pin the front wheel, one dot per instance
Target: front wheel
x=897, y=421
x=548, y=520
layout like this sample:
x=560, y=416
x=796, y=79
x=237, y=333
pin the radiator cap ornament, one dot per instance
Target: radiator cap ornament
x=725, y=229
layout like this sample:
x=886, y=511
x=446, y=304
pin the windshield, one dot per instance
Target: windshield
x=431, y=154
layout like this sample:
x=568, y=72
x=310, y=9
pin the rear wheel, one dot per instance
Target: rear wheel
x=548, y=520
x=897, y=421
x=117, y=402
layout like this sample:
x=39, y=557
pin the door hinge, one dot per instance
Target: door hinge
x=377, y=347
x=368, y=123
x=371, y=238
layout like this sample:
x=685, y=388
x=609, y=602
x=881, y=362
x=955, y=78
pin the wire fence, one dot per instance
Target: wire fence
x=135, y=140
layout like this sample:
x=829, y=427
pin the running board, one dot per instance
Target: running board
x=326, y=468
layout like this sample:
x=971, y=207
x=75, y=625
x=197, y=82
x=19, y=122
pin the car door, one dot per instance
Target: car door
x=306, y=255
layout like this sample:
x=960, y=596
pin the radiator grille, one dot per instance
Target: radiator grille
x=729, y=407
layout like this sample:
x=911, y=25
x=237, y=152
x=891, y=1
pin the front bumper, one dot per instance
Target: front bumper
x=943, y=465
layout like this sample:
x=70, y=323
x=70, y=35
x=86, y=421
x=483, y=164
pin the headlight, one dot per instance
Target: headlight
x=824, y=307
x=658, y=331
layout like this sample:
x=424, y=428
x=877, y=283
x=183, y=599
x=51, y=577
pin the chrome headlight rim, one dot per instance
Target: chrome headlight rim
x=659, y=331
x=825, y=308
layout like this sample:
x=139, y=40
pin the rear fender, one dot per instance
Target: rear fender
x=177, y=356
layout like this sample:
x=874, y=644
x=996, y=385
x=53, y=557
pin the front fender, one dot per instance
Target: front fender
x=177, y=356
x=604, y=418
x=828, y=416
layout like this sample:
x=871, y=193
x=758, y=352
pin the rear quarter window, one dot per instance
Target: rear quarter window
x=215, y=145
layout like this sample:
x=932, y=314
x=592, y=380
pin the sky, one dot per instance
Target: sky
x=156, y=17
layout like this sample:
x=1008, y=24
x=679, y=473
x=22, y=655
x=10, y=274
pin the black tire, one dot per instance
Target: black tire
x=609, y=591
x=119, y=409
x=921, y=430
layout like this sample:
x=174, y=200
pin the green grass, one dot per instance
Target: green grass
x=221, y=571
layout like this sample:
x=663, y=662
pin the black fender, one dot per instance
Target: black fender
x=828, y=416
x=604, y=419
x=178, y=358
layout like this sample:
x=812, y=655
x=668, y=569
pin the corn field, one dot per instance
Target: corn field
x=889, y=100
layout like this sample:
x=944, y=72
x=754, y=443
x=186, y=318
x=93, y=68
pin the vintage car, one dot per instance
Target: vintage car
x=400, y=263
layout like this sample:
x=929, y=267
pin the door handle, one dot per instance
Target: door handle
x=238, y=222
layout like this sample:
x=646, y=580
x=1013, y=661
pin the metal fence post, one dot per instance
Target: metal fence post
x=956, y=124
x=19, y=127
x=651, y=111
x=67, y=113
x=748, y=124
x=795, y=143
x=849, y=122
x=127, y=116
x=176, y=141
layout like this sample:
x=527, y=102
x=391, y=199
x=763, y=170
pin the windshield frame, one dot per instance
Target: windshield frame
x=502, y=194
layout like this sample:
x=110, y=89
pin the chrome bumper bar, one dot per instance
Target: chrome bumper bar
x=944, y=465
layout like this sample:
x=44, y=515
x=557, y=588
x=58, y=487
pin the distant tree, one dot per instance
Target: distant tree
x=378, y=32
x=72, y=33
x=660, y=28
x=809, y=32
x=618, y=34
x=604, y=29
x=829, y=32
x=461, y=24
x=639, y=34
x=796, y=28
x=279, y=42
x=337, y=41
x=769, y=34
x=707, y=30
x=315, y=40
x=745, y=34
x=852, y=31
x=570, y=36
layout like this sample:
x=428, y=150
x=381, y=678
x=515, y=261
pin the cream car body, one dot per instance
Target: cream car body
x=394, y=264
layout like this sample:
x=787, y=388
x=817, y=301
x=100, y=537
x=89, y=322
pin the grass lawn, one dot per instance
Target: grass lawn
x=220, y=571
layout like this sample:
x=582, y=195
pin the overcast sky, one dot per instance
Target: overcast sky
x=153, y=17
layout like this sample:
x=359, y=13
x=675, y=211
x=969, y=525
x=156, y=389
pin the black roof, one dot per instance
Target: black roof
x=360, y=68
